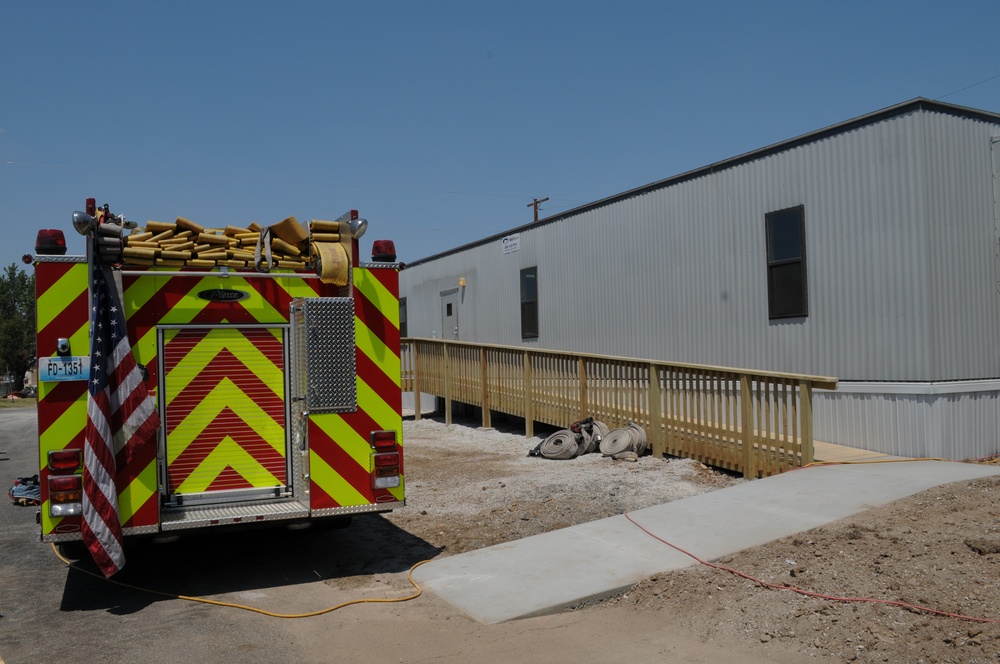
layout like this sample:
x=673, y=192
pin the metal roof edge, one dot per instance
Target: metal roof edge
x=917, y=104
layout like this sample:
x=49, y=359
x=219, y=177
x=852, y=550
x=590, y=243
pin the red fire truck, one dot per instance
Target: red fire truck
x=270, y=356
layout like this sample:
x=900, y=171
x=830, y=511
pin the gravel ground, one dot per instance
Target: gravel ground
x=468, y=488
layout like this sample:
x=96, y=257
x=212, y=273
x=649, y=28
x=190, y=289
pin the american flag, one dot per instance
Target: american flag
x=121, y=417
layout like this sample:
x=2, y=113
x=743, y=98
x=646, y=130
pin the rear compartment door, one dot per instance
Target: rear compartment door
x=225, y=413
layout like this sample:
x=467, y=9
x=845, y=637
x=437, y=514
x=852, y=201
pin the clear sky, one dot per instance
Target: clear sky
x=439, y=121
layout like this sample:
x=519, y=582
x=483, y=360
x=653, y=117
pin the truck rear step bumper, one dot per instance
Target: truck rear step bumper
x=183, y=518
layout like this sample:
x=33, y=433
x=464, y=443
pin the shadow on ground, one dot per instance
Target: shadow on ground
x=502, y=422
x=217, y=563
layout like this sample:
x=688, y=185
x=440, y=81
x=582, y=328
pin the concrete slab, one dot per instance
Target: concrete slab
x=537, y=575
x=550, y=572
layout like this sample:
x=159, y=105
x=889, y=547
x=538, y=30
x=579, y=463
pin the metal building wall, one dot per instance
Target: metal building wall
x=902, y=274
x=944, y=420
x=964, y=320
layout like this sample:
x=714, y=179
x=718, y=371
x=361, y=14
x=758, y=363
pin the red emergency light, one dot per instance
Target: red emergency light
x=384, y=251
x=50, y=242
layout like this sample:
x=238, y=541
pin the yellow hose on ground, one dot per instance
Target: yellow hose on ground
x=202, y=600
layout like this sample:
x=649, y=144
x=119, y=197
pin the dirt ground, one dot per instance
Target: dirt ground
x=469, y=488
x=939, y=549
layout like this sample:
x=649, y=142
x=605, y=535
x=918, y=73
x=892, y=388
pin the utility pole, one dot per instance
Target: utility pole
x=535, y=204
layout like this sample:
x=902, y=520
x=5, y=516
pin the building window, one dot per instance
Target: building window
x=402, y=317
x=529, y=303
x=787, y=295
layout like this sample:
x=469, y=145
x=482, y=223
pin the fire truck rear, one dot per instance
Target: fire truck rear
x=271, y=355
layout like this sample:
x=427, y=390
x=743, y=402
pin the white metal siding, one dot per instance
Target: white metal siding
x=961, y=423
x=900, y=257
x=965, y=308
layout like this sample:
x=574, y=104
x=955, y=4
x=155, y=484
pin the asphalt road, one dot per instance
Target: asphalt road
x=50, y=612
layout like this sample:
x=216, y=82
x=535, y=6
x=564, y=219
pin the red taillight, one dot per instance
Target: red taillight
x=387, y=473
x=66, y=483
x=383, y=440
x=65, y=495
x=50, y=242
x=387, y=461
x=66, y=489
x=65, y=460
x=354, y=215
x=92, y=206
x=384, y=251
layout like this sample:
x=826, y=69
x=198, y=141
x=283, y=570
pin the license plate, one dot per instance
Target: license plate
x=75, y=367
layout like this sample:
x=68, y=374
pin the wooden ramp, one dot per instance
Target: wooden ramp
x=831, y=453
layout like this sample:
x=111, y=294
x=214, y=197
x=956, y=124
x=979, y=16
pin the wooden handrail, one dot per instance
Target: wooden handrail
x=751, y=421
x=818, y=382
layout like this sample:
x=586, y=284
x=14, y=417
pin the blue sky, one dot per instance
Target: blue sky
x=439, y=121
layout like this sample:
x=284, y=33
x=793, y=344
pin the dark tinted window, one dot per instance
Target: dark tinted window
x=784, y=235
x=529, y=303
x=787, y=294
x=402, y=317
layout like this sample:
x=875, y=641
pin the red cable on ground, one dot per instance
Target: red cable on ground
x=809, y=593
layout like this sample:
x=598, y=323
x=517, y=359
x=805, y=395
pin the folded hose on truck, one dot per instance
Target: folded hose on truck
x=110, y=243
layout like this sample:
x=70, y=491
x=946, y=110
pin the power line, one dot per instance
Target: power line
x=985, y=80
x=374, y=187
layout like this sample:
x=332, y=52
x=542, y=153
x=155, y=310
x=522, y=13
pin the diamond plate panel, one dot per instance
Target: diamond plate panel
x=183, y=518
x=323, y=333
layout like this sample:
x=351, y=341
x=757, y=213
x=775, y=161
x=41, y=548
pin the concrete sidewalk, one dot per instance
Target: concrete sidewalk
x=550, y=572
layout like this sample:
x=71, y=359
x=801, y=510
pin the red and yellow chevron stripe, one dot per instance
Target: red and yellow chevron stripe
x=225, y=410
x=339, y=444
x=61, y=311
x=224, y=385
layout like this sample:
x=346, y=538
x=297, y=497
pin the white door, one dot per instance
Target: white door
x=449, y=314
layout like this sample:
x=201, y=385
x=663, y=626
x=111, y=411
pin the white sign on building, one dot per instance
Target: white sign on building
x=511, y=243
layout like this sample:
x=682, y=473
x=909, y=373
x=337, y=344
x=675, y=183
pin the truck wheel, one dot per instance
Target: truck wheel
x=74, y=550
x=338, y=523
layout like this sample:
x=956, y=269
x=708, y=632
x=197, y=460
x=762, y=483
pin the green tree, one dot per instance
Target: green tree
x=17, y=322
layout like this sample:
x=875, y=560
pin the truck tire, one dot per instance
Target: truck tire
x=75, y=550
x=337, y=522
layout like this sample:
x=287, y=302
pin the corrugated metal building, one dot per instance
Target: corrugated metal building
x=866, y=251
